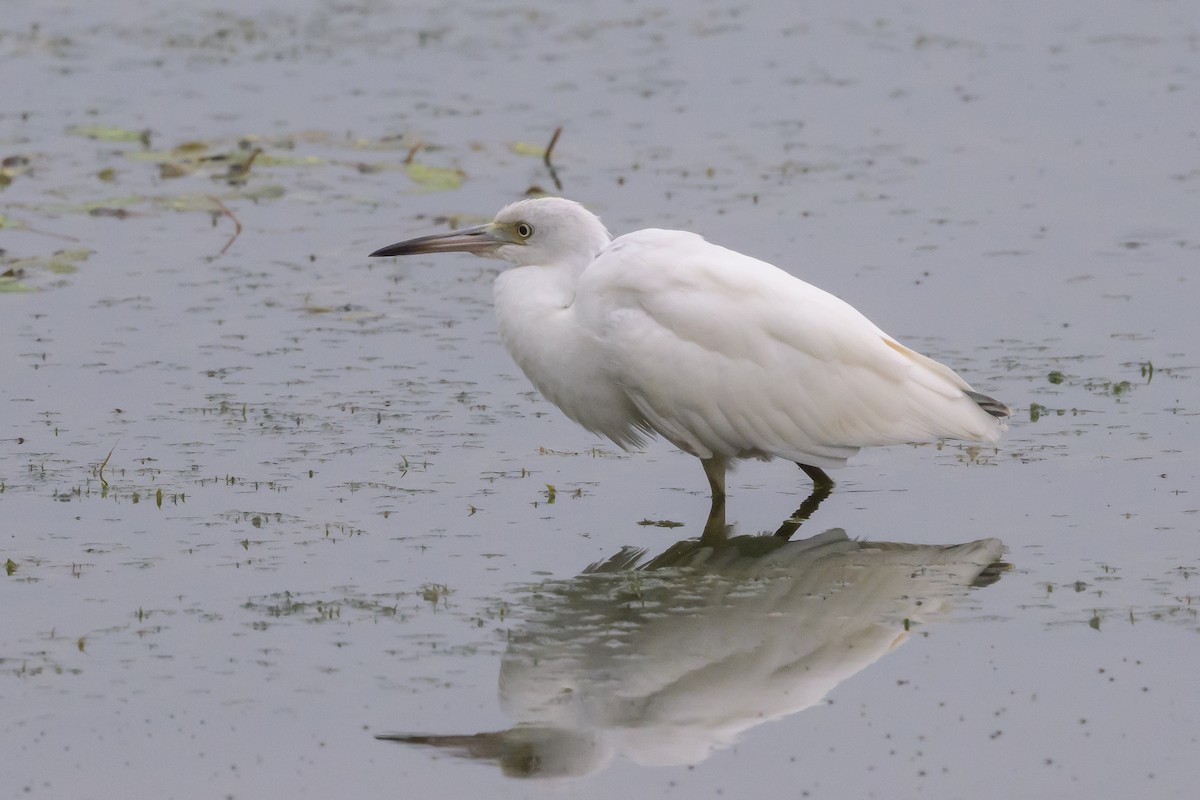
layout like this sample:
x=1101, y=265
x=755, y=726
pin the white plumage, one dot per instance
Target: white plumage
x=724, y=355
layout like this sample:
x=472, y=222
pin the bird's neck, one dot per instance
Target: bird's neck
x=534, y=315
x=528, y=293
x=536, y=288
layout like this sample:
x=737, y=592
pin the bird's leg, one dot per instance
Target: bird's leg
x=822, y=488
x=819, y=477
x=714, y=468
x=715, y=530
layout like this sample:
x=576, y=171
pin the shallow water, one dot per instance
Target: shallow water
x=264, y=499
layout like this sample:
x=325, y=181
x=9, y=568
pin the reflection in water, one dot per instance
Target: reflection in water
x=670, y=659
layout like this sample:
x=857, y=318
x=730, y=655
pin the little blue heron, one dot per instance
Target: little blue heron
x=725, y=356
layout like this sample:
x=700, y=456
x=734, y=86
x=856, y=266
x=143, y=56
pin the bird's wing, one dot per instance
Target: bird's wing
x=727, y=355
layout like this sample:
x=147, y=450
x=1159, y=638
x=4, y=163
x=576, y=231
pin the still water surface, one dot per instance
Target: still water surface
x=264, y=500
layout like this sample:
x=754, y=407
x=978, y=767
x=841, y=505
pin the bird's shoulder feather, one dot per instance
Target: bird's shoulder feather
x=719, y=300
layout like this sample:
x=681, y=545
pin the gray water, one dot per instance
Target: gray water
x=264, y=499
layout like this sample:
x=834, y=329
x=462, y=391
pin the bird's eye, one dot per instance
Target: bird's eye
x=524, y=230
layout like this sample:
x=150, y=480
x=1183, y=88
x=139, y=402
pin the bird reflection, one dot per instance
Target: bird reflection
x=716, y=532
x=666, y=660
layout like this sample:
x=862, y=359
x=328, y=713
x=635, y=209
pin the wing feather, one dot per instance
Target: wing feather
x=727, y=355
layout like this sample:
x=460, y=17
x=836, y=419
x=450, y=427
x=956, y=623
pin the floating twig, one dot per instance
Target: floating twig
x=546, y=157
x=550, y=147
x=60, y=236
x=116, y=213
x=237, y=225
x=18, y=225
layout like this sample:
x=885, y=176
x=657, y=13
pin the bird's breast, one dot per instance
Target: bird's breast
x=567, y=364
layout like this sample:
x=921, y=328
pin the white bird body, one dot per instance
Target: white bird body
x=724, y=355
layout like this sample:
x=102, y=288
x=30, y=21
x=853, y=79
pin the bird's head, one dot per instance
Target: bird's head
x=548, y=231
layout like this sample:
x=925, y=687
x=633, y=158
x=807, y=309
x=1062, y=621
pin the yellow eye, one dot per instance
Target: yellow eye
x=524, y=230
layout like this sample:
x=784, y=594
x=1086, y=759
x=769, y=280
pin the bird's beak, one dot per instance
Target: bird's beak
x=480, y=240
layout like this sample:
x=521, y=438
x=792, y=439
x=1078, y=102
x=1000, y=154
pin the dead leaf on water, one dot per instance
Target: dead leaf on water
x=527, y=149
x=194, y=201
x=292, y=161
x=195, y=151
x=192, y=157
x=270, y=191
x=15, y=287
x=16, y=270
x=661, y=523
x=10, y=223
x=434, y=179
x=65, y=262
x=88, y=208
x=10, y=282
x=11, y=167
x=402, y=141
x=110, y=133
x=176, y=169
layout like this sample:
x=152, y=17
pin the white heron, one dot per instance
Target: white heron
x=725, y=356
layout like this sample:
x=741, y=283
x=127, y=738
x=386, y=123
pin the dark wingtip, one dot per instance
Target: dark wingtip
x=990, y=404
